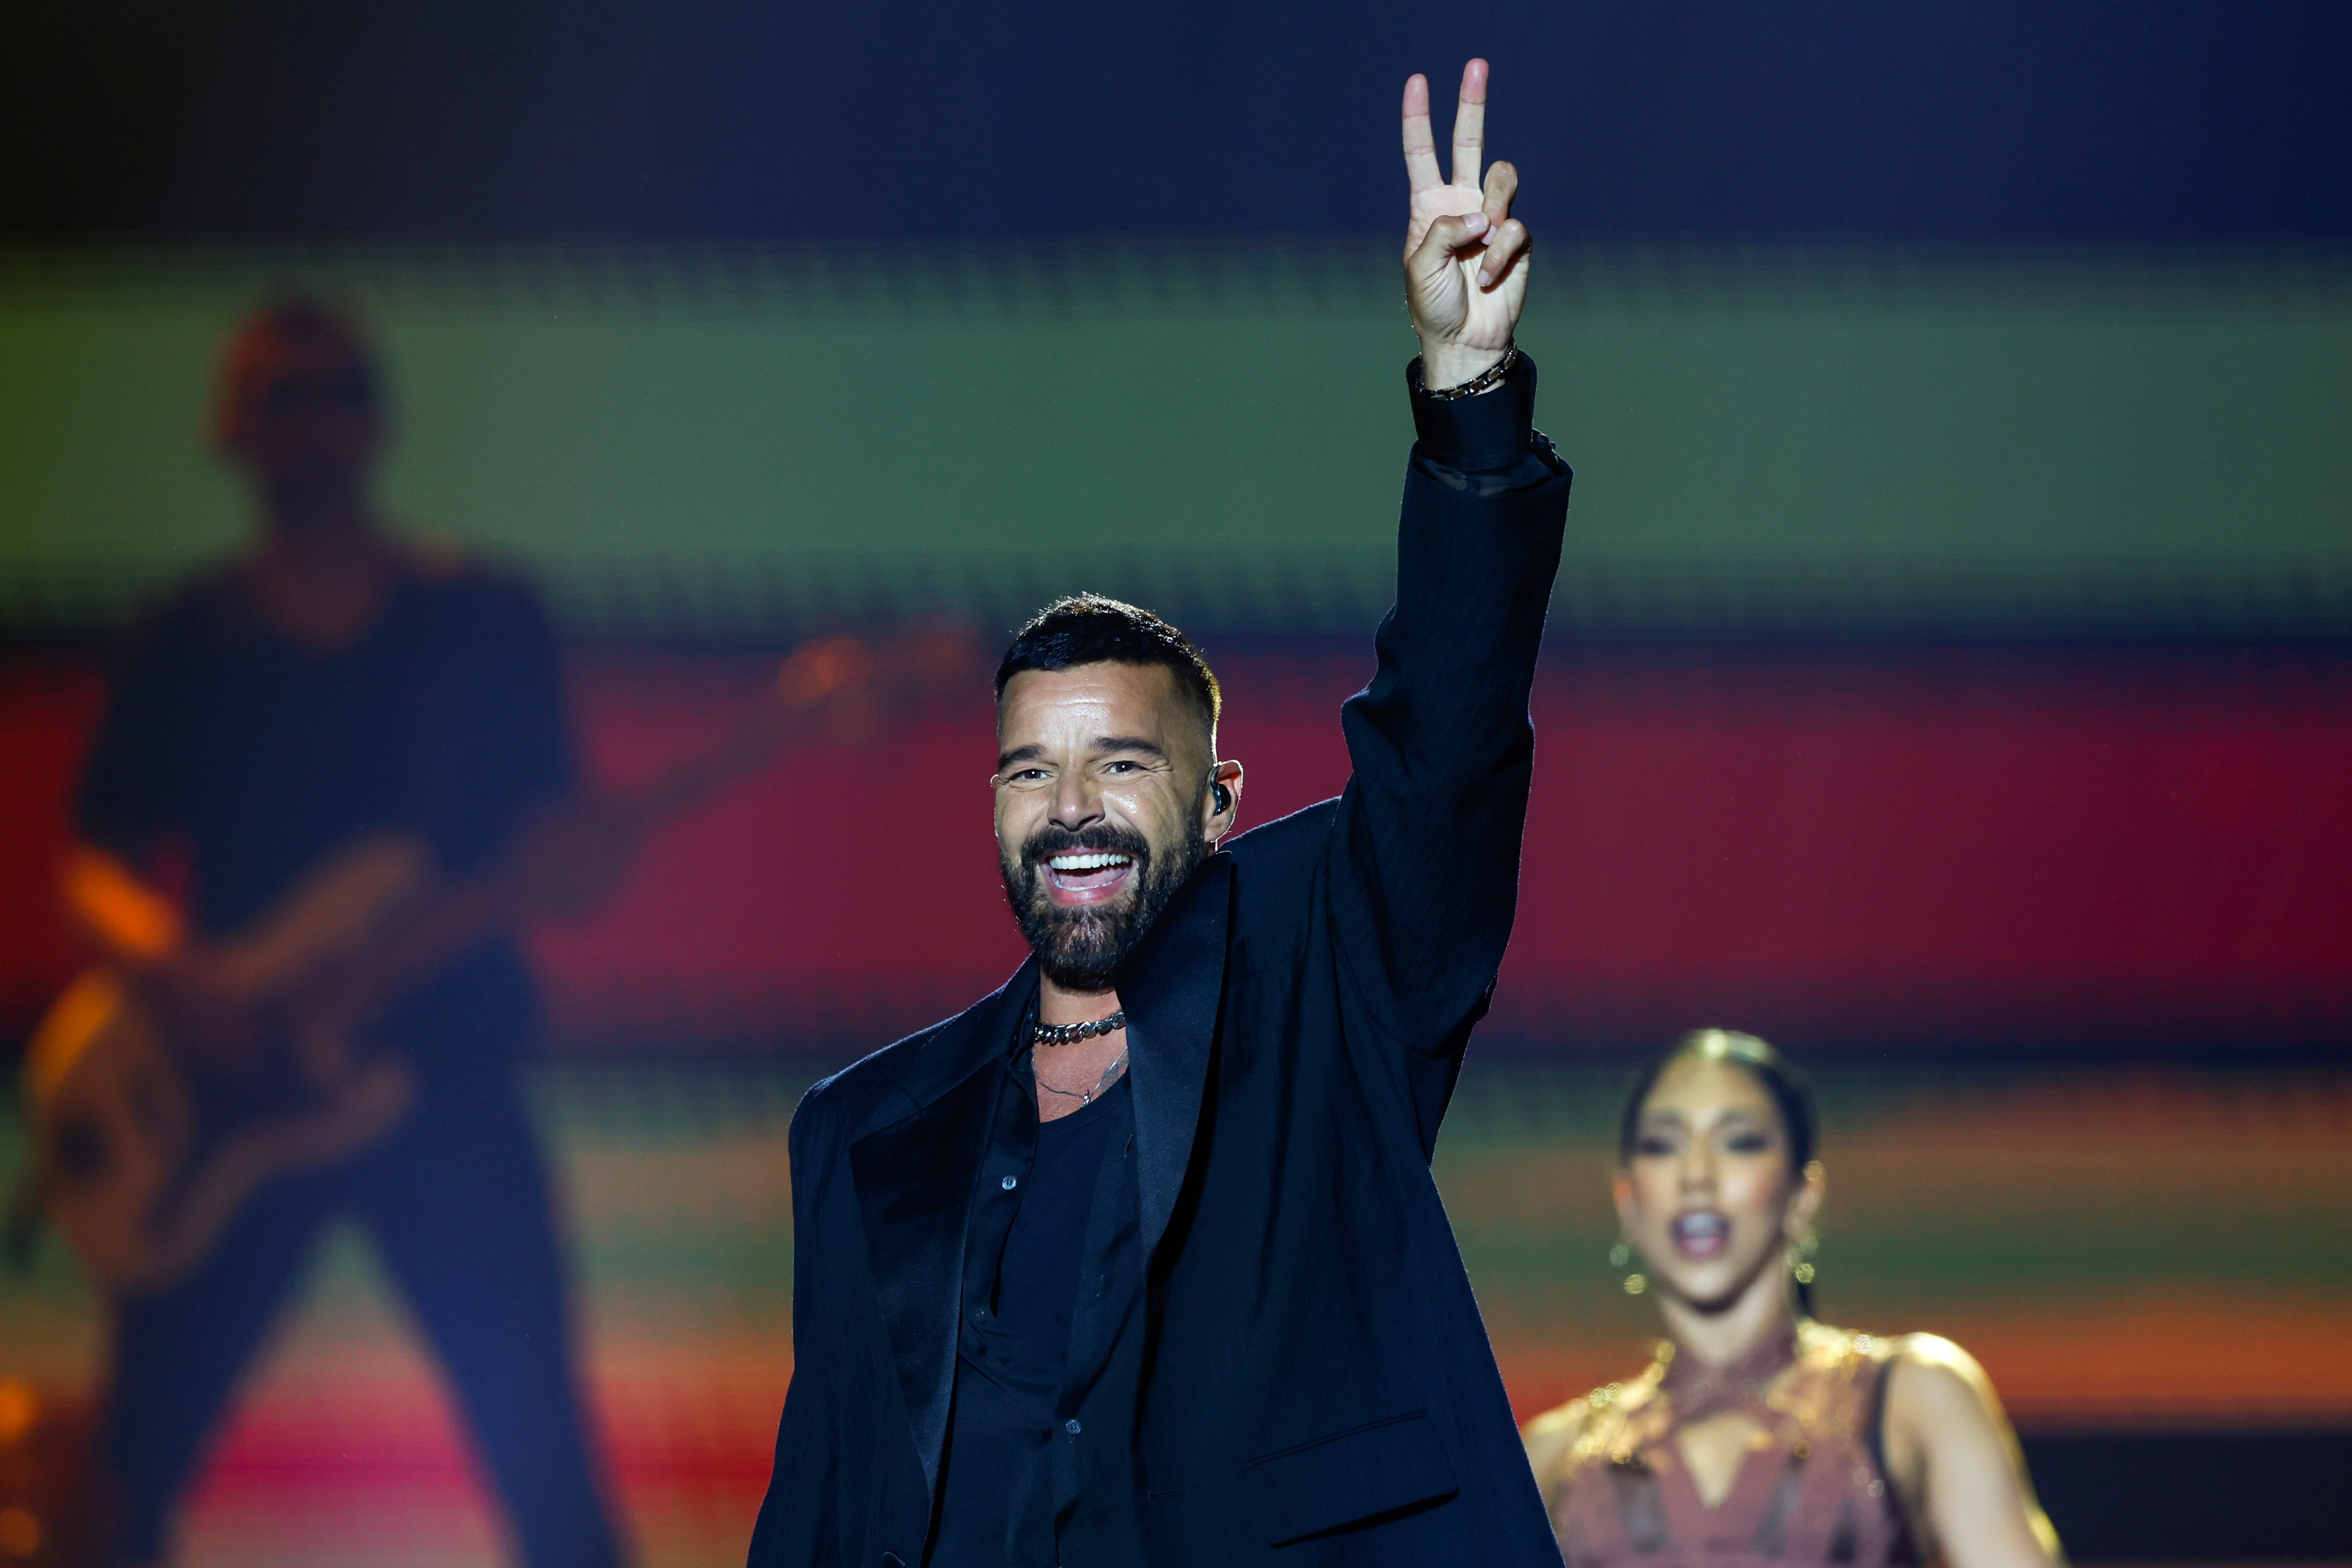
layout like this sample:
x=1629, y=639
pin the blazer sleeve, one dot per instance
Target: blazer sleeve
x=797, y=1527
x=1425, y=846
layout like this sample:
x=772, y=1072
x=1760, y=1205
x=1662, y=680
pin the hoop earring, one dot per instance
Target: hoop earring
x=1620, y=1256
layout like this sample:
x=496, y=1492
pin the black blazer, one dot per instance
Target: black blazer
x=1316, y=1383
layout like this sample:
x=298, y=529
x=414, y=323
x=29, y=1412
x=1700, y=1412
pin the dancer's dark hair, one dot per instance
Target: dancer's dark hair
x=1791, y=1095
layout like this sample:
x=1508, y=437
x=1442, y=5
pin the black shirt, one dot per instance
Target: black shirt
x=1053, y=1279
x=263, y=757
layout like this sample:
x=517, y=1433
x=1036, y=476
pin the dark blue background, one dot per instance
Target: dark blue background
x=2137, y=121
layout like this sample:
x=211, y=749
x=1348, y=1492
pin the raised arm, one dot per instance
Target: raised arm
x=1426, y=849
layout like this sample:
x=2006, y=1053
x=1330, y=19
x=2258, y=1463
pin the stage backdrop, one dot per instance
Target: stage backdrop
x=1950, y=678
x=739, y=440
x=1951, y=651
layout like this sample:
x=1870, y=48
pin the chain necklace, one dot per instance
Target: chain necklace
x=1698, y=1391
x=1071, y=1034
x=1086, y=1097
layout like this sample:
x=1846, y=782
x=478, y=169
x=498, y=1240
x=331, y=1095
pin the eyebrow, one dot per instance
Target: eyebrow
x=1737, y=1113
x=1101, y=744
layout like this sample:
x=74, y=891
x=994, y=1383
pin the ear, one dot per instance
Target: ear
x=1620, y=1192
x=228, y=423
x=1217, y=820
x=1812, y=1186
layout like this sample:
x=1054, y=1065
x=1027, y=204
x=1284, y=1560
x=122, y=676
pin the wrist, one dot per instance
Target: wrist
x=1444, y=364
x=1485, y=430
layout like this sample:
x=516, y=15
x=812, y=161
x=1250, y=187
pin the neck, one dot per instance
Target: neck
x=1080, y=1068
x=1059, y=1005
x=326, y=526
x=1762, y=1312
x=323, y=581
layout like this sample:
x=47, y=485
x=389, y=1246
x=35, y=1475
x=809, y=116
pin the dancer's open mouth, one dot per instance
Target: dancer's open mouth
x=1701, y=1233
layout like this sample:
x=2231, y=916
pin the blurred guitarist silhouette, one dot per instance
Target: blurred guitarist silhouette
x=330, y=684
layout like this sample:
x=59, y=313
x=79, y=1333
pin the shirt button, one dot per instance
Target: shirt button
x=1071, y=1427
x=1010, y=1183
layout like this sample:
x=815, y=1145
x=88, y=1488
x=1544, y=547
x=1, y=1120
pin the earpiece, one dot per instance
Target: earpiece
x=1223, y=796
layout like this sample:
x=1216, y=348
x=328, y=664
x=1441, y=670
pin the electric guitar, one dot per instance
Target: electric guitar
x=147, y=1142
x=48, y=1517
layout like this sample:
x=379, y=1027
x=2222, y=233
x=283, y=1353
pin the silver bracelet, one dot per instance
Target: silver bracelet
x=1484, y=381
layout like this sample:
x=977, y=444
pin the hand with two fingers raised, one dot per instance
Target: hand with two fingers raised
x=1465, y=256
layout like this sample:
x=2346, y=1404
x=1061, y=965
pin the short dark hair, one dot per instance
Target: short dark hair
x=297, y=320
x=1090, y=628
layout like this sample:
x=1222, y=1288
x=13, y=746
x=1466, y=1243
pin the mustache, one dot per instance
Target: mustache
x=1095, y=838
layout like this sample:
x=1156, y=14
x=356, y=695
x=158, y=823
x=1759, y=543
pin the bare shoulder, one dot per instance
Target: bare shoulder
x=1955, y=1461
x=1551, y=1438
x=1930, y=1379
x=1562, y=1424
x=1938, y=1405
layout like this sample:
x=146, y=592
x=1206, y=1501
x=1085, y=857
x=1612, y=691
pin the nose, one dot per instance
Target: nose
x=1075, y=800
x=1698, y=1166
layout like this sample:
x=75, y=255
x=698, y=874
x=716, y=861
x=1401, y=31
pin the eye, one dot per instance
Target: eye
x=1748, y=1143
x=1122, y=767
x=1654, y=1145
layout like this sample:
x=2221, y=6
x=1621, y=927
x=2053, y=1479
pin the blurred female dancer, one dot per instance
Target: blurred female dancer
x=1759, y=1433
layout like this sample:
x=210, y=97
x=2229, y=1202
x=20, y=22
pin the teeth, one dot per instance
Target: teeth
x=1085, y=862
x=1699, y=1225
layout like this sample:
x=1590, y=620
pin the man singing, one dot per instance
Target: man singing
x=1139, y=1260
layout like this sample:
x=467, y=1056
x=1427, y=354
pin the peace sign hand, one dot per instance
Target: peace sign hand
x=1465, y=258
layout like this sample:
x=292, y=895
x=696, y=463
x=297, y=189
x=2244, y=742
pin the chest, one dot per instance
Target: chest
x=270, y=727
x=1791, y=1481
x=1775, y=1506
x=1051, y=1229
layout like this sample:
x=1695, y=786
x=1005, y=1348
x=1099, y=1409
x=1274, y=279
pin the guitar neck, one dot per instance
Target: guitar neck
x=460, y=914
x=452, y=920
x=835, y=686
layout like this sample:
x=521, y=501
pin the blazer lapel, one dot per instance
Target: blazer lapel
x=1172, y=989
x=914, y=1175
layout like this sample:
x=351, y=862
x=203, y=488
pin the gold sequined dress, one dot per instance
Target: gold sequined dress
x=1811, y=1487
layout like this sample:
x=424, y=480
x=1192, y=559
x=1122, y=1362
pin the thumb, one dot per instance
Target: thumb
x=1446, y=238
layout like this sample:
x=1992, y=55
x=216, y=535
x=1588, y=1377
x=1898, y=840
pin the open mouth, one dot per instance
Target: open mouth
x=1701, y=1233
x=1088, y=876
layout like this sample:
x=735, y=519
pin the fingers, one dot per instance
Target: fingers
x=1419, y=144
x=1507, y=239
x=1447, y=238
x=1470, y=125
x=1502, y=187
x=1495, y=247
x=1508, y=249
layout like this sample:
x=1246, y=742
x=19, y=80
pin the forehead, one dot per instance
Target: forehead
x=1699, y=1089
x=1089, y=700
x=264, y=357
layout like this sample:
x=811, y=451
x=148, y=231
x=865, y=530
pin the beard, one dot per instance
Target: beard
x=1080, y=949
